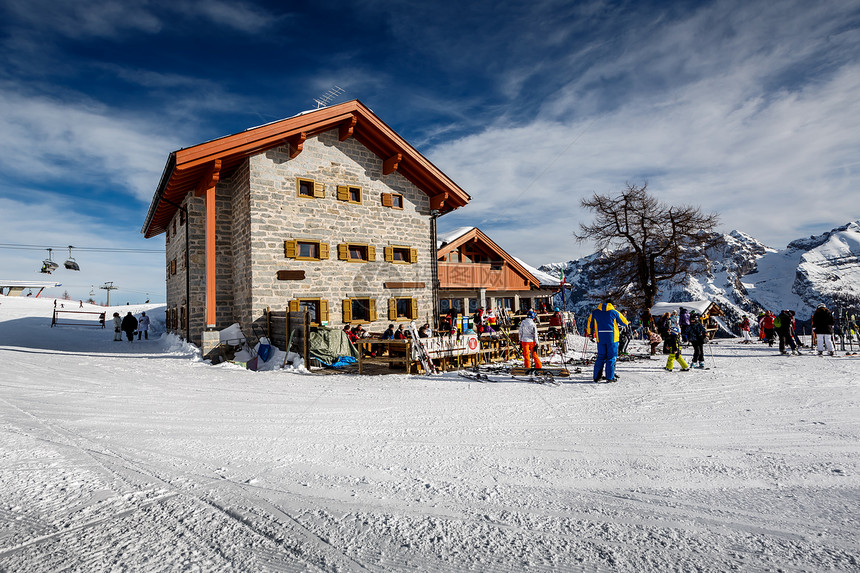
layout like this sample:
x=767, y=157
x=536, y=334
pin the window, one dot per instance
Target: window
x=402, y=308
x=309, y=189
x=359, y=310
x=349, y=193
x=173, y=266
x=446, y=305
x=393, y=200
x=356, y=252
x=316, y=308
x=182, y=217
x=305, y=250
x=402, y=255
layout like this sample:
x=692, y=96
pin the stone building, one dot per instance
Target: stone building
x=328, y=211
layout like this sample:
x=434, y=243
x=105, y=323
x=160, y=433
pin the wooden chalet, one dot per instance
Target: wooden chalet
x=476, y=272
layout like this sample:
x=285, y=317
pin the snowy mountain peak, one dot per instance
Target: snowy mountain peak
x=745, y=276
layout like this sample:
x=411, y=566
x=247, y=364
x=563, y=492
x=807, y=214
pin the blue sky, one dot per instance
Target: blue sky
x=749, y=109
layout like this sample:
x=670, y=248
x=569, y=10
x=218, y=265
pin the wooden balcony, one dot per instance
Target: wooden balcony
x=491, y=276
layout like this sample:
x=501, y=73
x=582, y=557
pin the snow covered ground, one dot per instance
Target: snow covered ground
x=118, y=456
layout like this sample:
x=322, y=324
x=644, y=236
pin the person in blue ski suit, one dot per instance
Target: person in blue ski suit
x=603, y=327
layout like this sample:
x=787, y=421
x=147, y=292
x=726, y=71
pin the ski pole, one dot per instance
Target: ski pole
x=711, y=352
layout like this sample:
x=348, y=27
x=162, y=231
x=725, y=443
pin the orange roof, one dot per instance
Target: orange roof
x=190, y=168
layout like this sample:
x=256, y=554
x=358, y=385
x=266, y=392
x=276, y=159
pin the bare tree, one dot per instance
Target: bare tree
x=645, y=242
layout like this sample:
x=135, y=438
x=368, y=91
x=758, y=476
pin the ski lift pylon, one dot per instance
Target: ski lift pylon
x=71, y=264
x=48, y=265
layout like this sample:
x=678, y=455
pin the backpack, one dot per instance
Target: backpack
x=777, y=322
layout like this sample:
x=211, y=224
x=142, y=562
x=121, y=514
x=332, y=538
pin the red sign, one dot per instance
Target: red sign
x=473, y=343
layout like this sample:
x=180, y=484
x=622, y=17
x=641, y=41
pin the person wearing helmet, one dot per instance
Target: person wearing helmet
x=556, y=322
x=603, y=328
x=528, y=335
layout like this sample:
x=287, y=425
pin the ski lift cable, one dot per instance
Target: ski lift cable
x=90, y=249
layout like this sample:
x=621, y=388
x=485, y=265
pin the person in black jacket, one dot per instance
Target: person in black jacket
x=129, y=325
x=697, y=334
x=784, y=331
x=822, y=326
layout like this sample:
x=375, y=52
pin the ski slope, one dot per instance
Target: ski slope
x=118, y=456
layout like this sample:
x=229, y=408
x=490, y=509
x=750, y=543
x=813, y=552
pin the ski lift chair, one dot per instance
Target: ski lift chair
x=48, y=265
x=71, y=264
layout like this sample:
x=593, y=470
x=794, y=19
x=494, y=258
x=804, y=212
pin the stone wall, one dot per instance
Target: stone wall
x=278, y=214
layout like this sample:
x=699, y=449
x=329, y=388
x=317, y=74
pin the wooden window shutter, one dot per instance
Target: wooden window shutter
x=294, y=306
x=392, y=309
x=387, y=200
x=324, y=310
x=343, y=252
x=371, y=253
x=319, y=189
x=342, y=193
x=173, y=267
x=347, y=310
x=413, y=308
x=372, y=305
x=290, y=249
x=323, y=250
x=389, y=254
x=413, y=255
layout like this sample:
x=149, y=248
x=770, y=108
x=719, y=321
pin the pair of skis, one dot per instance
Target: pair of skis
x=423, y=355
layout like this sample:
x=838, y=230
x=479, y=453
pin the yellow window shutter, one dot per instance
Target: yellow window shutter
x=372, y=309
x=294, y=306
x=290, y=249
x=347, y=310
x=323, y=250
x=371, y=253
x=387, y=201
x=342, y=193
x=319, y=189
x=343, y=252
x=389, y=254
x=324, y=310
x=413, y=255
x=392, y=309
x=414, y=309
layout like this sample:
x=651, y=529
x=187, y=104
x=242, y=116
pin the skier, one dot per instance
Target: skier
x=556, y=323
x=117, y=327
x=143, y=326
x=768, y=327
x=745, y=330
x=674, y=346
x=684, y=322
x=528, y=335
x=654, y=339
x=603, y=327
x=625, y=335
x=822, y=326
x=129, y=325
x=783, y=326
x=697, y=334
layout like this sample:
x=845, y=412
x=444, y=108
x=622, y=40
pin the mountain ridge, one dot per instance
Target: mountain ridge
x=745, y=277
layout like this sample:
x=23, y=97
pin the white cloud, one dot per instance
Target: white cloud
x=754, y=116
x=49, y=140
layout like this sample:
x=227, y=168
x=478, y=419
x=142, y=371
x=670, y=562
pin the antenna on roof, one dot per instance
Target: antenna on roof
x=329, y=96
